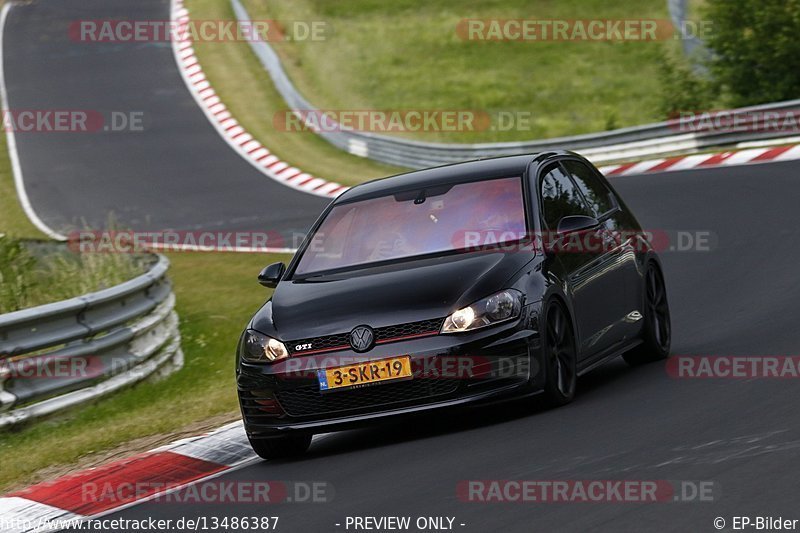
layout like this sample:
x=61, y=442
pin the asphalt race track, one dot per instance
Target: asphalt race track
x=175, y=174
x=741, y=297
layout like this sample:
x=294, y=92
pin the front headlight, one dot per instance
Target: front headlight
x=500, y=307
x=259, y=348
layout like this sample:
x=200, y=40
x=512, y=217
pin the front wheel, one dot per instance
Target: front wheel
x=657, y=329
x=560, y=356
x=285, y=446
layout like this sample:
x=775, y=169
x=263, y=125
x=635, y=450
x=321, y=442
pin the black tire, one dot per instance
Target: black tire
x=286, y=446
x=560, y=356
x=657, y=328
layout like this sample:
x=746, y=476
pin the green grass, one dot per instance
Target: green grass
x=696, y=9
x=13, y=220
x=238, y=77
x=216, y=295
x=406, y=55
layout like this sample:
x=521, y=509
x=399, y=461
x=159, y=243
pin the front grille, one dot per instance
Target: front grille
x=406, y=330
x=305, y=401
x=341, y=341
x=328, y=342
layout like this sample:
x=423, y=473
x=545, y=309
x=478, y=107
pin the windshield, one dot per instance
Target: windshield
x=412, y=223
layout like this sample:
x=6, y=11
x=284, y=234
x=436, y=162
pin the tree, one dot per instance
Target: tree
x=682, y=88
x=755, y=48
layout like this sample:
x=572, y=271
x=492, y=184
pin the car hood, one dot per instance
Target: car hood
x=386, y=295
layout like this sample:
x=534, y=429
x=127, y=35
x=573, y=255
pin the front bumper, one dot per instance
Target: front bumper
x=448, y=371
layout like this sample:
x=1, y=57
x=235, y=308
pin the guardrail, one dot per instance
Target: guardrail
x=62, y=354
x=651, y=140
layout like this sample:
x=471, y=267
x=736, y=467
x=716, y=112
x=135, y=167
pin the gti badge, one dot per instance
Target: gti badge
x=362, y=338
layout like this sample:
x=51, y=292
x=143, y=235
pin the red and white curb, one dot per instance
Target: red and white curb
x=227, y=126
x=54, y=504
x=684, y=162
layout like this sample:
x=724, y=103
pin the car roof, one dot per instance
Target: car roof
x=494, y=167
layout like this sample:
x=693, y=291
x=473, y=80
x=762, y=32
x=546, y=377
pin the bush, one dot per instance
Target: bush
x=16, y=280
x=755, y=49
x=682, y=88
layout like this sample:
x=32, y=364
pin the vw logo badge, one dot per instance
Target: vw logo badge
x=362, y=338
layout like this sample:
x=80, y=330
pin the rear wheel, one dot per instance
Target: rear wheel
x=560, y=356
x=657, y=329
x=285, y=446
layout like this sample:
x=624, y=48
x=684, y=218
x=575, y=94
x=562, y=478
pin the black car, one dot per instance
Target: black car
x=471, y=282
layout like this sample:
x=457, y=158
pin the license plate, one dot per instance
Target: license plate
x=363, y=374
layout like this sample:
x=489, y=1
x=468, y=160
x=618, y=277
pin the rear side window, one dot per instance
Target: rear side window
x=596, y=193
x=560, y=198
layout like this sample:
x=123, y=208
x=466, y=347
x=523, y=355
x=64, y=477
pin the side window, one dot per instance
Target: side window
x=596, y=193
x=560, y=198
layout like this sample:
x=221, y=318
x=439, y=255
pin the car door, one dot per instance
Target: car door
x=583, y=261
x=616, y=259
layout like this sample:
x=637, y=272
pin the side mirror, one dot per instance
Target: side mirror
x=271, y=275
x=567, y=225
x=573, y=223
